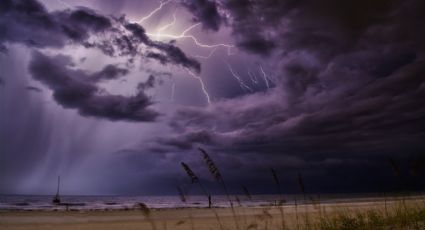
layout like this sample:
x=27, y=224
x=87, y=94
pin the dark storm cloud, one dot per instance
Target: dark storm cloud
x=29, y=23
x=205, y=12
x=130, y=45
x=257, y=44
x=348, y=93
x=188, y=140
x=138, y=32
x=349, y=76
x=177, y=56
x=79, y=24
x=33, y=88
x=3, y=48
x=148, y=84
x=109, y=72
x=170, y=53
x=327, y=26
x=73, y=89
x=157, y=56
x=351, y=137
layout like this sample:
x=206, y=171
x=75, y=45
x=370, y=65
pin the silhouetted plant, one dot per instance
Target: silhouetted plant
x=212, y=167
x=147, y=214
x=195, y=179
x=281, y=200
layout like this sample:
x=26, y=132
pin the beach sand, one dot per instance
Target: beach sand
x=267, y=217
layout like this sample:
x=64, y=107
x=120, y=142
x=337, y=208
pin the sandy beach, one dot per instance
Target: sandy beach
x=267, y=217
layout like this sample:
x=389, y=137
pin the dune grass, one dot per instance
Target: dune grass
x=399, y=215
x=345, y=216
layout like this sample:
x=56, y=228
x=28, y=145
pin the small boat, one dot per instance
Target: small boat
x=56, y=199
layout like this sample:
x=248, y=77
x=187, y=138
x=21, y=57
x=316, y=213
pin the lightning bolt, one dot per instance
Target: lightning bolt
x=253, y=77
x=265, y=77
x=204, y=89
x=208, y=56
x=161, y=4
x=185, y=35
x=172, y=23
x=193, y=38
x=238, y=78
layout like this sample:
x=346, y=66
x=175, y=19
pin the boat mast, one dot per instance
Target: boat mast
x=56, y=199
x=59, y=181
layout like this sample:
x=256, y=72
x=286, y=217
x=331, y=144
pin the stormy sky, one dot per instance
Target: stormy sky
x=113, y=95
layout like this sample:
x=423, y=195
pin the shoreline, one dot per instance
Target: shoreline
x=335, y=201
x=186, y=218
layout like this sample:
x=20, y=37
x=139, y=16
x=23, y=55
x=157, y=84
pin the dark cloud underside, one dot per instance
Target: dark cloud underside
x=205, y=12
x=349, y=78
x=73, y=89
x=29, y=23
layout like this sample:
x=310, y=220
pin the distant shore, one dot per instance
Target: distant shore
x=259, y=217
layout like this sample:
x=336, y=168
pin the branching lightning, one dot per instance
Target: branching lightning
x=161, y=4
x=208, y=56
x=238, y=78
x=204, y=89
x=158, y=32
x=193, y=38
x=264, y=77
x=185, y=35
x=253, y=77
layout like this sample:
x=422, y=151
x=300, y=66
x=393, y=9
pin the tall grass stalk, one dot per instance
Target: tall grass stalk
x=213, y=169
x=247, y=193
x=296, y=213
x=147, y=214
x=215, y=172
x=183, y=198
x=249, y=196
x=281, y=200
x=195, y=179
x=397, y=172
x=302, y=188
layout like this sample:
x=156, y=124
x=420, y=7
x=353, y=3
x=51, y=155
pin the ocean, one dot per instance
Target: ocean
x=44, y=203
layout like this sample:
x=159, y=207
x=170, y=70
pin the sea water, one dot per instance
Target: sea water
x=44, y=203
